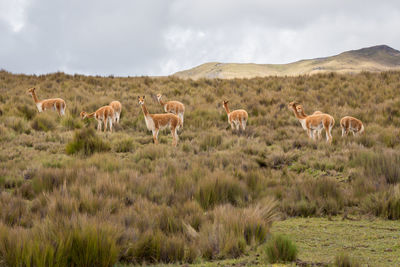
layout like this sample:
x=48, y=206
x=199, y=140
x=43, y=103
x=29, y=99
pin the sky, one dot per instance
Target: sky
x=161, y=37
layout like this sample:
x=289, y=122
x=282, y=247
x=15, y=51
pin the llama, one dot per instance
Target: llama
x=314, y=122
x=300, y=110
x=155, y=122
x=174, y=107
x=102, y=115
x=351, y=124
x=57, y=104
x=236, y=117
x=116, y=105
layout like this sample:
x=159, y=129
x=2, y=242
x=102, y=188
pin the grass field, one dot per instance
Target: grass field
x=70, y=196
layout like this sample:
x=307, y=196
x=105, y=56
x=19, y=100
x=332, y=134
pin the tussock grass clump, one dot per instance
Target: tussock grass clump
x=281, y=249
x=70, y=122
x=26, y=111
x=124, y=145
x=43, y=122
x=86, y=142
x=210, y=141
x=155, y=247
x=220, y=190
x=344, y=260
x=85, y=245
x=19, y=125
x=380, y=164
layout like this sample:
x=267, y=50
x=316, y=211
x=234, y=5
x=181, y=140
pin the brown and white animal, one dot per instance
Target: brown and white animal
x=314, y=122
x=236, y=117
x=174, y=107
x=351, y=124
x=300, y=110
x=57, y=104
x=155, y=122
x=103, y=115
x=116, y=105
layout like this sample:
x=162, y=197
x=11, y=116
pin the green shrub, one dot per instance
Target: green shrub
x=43, y=123
x=281, y=249
x=87, y=142
x=344, y=260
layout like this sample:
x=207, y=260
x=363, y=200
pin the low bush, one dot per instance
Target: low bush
x=281, y=249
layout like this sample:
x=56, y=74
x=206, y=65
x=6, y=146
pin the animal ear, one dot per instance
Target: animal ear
x=144, y=97
x=138, y=97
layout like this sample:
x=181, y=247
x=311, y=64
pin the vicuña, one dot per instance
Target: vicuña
x=351, y=124
x=57, y=104
x=174, y=107
x=155, y=122
x=236, y=117
x=314, y=122
x=102, y=115
x=300, y=110
x=116, y=105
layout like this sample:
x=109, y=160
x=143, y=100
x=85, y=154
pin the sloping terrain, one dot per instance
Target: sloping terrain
x=373, y=59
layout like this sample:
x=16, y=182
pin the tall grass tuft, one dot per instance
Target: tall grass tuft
x=344, y=260
x=281, y=249
x=87, y=142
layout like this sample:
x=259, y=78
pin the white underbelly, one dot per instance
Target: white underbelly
x=149, y=123
x=39, y=107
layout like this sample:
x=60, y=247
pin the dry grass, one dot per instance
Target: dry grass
x=216, y=194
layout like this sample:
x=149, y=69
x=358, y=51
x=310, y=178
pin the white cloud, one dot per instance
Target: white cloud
x=13, y=13
x=159, y=37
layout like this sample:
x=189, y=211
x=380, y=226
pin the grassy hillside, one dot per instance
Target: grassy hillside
x=372, y=59
x=71, y=196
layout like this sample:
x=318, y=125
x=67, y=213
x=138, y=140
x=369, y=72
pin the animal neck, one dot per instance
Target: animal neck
x=90, y=115
x=145, y=111
x=226, y=109
x=299, y=115
x=35, y=97
x=162, y=103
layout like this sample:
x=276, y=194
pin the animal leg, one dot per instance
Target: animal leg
x=105, y=124
x=110, y=123
x=174, y=137
x=155, y=136
x=343, y=131
x=244, y=122
x=98, y=125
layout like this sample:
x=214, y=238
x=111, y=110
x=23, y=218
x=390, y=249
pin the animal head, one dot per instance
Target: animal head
x=159, y=97
x=293, y=105
x=299, y=108
x=83, y=115
x=31, y=90
x=141, y=100
x=225, y=102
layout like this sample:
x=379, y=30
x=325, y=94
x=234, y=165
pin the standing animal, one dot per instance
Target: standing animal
x=116, y=105
x=103, y=115
x=314, y=122
x=351, y=124
x=155, y=122
x=57, y=104
x=174, y=107
x=300, y=110
x=236, y=117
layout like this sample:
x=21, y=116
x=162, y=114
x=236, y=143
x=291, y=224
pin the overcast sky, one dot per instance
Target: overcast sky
x=160, y=37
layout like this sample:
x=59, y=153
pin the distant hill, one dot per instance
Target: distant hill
x=374, y=59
